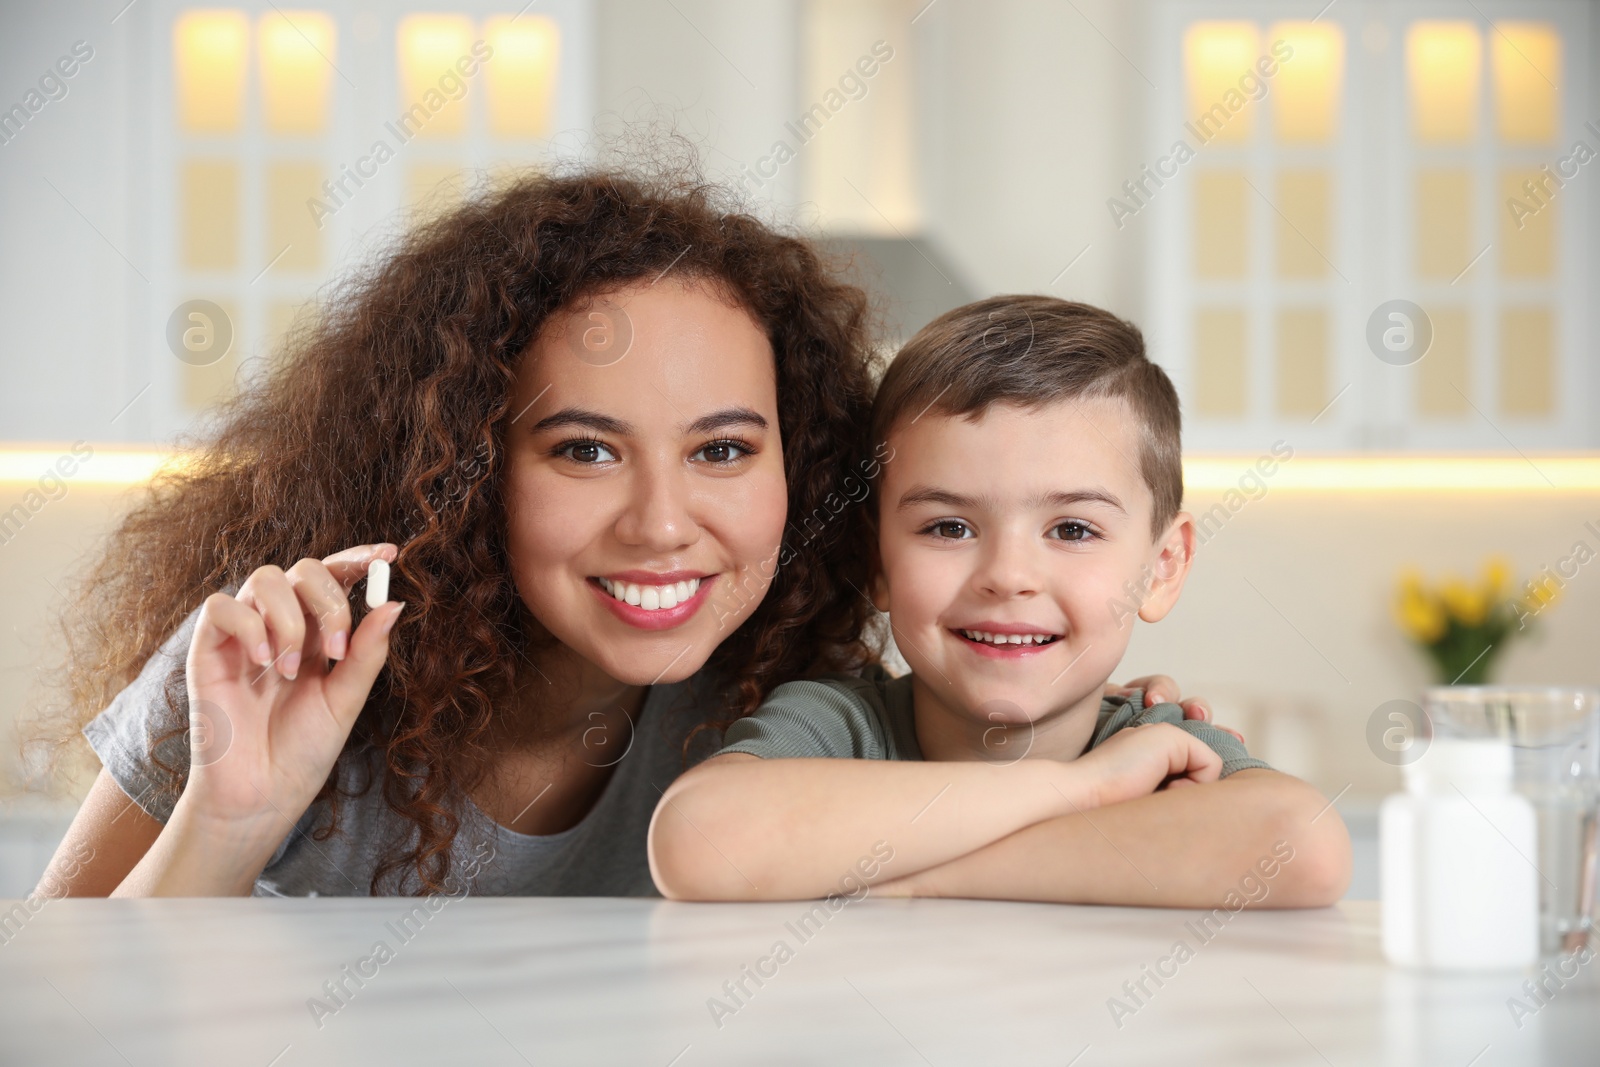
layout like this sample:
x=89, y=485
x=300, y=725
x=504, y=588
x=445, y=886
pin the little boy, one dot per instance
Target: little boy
x=1028, y=510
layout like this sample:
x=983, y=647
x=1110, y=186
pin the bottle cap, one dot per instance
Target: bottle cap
x=1472, y=766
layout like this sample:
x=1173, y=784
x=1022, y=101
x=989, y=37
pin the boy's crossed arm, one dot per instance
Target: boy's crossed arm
x=739, y=827
x=1093, y=830
x=1263, y=834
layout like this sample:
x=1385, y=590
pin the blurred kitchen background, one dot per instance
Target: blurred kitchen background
x=1362, y=235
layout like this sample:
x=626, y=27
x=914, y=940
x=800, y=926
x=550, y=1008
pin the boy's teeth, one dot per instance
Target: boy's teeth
x=1007, y=639
x=651, y=597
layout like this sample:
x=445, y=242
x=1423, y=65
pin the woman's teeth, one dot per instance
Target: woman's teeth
x=651, y=597
x=1007, y=639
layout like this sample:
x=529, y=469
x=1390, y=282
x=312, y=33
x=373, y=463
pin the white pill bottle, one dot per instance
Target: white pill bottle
x=1459, y=886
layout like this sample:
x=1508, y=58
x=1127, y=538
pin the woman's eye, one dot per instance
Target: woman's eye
x=1073, y=531
x=724, y=451
x=950, y=530
x=586, y=452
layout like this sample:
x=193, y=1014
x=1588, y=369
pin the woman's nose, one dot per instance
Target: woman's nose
x=658, y=516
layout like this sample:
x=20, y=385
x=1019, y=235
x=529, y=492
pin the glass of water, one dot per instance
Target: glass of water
x=1555, y=737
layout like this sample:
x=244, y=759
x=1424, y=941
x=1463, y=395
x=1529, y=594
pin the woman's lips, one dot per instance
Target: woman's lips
x=645, y=618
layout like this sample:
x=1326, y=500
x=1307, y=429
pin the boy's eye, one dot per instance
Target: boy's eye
x=949, y=530
x=1072, y=531
x=721, y=452
x=586, y=452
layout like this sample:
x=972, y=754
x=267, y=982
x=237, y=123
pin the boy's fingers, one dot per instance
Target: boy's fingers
x=1193, y=758
x=350, y=565
x=1208, y=766
x=351, y=679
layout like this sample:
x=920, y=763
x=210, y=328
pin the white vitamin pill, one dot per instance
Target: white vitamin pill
x=377, y=583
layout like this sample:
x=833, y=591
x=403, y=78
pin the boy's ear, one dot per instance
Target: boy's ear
x=879, y=589
x=877, y=584
x=1169, y=566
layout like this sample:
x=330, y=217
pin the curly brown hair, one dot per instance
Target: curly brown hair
x=385, y=421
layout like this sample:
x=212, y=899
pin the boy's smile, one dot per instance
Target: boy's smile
x=1007, y=543
x=1006, y=640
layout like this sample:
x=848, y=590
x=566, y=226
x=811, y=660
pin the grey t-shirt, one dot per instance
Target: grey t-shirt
x=843, y=717
x=603, y=855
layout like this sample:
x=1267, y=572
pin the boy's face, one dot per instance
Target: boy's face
x=1015, y=551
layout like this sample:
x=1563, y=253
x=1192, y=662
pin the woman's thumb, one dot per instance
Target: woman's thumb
x=351, y=679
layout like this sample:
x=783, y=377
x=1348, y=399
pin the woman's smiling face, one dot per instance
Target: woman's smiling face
x=645, y=491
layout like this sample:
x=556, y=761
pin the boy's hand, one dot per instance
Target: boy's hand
x=1134, y=762
x=1161, y=689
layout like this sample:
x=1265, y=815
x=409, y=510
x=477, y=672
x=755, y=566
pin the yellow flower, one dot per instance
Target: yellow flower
x=1496, y=577
x=1467, y=604
x=1419, y=614
x=1412, y=583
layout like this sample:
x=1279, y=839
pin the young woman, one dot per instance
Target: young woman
x=576, y=416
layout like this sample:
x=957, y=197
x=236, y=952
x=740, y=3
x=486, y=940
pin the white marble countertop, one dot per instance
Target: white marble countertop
x=558, y=981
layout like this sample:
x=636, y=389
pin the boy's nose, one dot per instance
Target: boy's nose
x=1006, y=571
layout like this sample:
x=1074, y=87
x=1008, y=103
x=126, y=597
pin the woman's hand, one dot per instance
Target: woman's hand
x=1135, y=761
x=1161, y=689
x=268, y=714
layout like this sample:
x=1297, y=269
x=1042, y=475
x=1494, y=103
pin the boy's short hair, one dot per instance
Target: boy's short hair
x=1036, y=350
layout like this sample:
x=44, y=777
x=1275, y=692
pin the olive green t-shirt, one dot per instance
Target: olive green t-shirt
x=840, y=716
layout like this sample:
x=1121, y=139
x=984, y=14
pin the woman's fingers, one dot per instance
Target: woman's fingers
x=351, y=680
x=269, y=592
x=325, y=600
x=350, y=565
x=222, y=618
x=310, y=600
x=1198, y=708
x=1158, y=689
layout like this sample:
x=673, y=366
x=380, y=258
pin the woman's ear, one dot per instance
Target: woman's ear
x=1172, y=557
